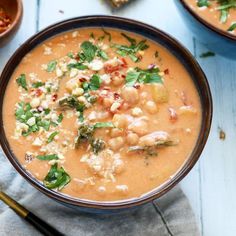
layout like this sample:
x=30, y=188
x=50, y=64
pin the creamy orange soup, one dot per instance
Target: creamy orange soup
x=101, y=115
x=219, y=13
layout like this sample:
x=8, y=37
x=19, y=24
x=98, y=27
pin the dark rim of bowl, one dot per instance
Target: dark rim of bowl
x=118, y=23
x=206, y=23
x=16, y=21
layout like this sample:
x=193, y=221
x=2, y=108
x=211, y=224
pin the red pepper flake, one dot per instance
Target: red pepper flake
x=82, y=80
x=116, y=96
x=125, y=64
x=5, y=21
x=123, y=76
x=54, y=97
x=116, y=73
x=38, y=92
x=166, y=72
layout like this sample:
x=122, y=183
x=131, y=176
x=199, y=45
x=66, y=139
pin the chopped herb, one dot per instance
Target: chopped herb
x=47, y=157
x=47, y=111
x=102, y=54
x=78, y=66
x=207, y=54
x=151, y=150
x=51, y=66
x=60, y=118
x=56, y=178
x=203, y=3
x=97, y=145
x=156, y=54
x=38, y=84
x=232, y=27
x=21, y=81
x=95, y=82
x=106, y=33
x=92, y=35
x=85, y=134
x=52, y=136
x=45, y=124
x=89, y=50
x=104, y=125
x=132, y=49
x=143, y=76
x=71, y=102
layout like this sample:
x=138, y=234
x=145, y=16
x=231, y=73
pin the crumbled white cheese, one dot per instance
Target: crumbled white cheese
x=47, y=50
x=37, y=142
x=73, y=72
x=75, y=34
x=77, y=91
x=44, y=104
x=59, y=72
x=106, y=78
x=122, y=188
x=96, y=65
x=33, y=76
x=31, y=121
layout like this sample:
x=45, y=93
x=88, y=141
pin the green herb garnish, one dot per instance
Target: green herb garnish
x=78, y=66
x=203, y=3
x=47, y=157
x=132, y=49
x=56, y=178
x=143, y=76
x=21, y=81
x=88, y=50
x=60, y=118
x=52, y=136
x=232, y=27
x=51, y=66
x=104, y=125
x=38, y=84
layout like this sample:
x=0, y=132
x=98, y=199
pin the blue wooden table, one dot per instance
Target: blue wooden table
x=211, y=185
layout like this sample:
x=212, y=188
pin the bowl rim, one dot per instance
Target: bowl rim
x=206, y=23
x=16, y=21
x=207, y=107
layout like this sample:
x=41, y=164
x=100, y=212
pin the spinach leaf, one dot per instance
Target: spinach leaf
x=60, y=118
x=102, y=54
x=56, y=178
x=21, y=81
x=95, y=82
x=52, y=136
x=47, y=157
x=51, y=66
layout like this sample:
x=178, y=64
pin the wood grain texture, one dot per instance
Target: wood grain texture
x=210, y=186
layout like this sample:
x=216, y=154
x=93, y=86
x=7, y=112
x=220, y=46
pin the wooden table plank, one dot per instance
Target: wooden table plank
x=28, y=28
x=218, y=162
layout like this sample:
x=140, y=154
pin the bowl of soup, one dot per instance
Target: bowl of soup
x=103, y=113
x=213, y=22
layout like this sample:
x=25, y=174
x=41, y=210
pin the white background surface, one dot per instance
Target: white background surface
x=211, y=185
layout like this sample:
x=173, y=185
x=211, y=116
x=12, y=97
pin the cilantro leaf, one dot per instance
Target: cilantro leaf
x=21, y=81
x=104, y=125
x=56, y=178
x=51, y=66
x=52, y=136
x=89, y=50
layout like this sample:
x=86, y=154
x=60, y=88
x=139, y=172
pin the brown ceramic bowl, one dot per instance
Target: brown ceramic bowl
x=14, y=9
x=215, y=39
x=147, y=31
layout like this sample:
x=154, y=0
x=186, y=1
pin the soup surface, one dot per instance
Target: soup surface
x=219, y=13
x=101, y=114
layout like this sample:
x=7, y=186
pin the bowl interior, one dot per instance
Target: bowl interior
x=136, y=27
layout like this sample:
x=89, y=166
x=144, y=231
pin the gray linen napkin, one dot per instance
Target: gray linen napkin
x=170, y=215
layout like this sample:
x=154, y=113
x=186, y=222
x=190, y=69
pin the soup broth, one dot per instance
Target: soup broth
x=101, y=114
